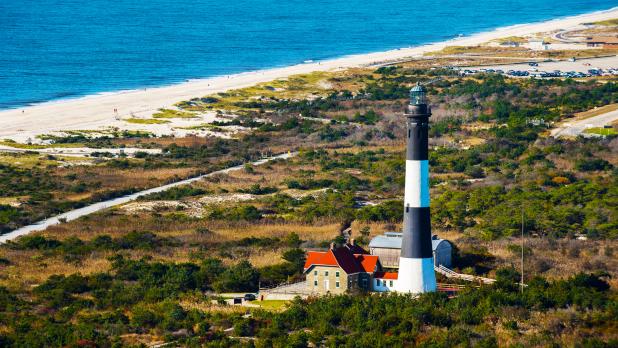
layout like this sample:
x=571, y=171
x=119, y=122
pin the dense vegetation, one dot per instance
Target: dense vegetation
x=86, y=311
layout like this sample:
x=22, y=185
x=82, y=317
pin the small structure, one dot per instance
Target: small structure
x=538, y=45
x=388, y=248
x=340, y=269
x=602, y=41
x=385, y=281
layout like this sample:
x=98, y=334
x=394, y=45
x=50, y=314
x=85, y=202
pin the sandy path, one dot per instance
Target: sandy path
x=93, y=112
x=80, y=151
x=93, y=208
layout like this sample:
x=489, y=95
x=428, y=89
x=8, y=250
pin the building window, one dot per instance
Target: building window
x=326, y=273
x=364, y=283
x=337, y=274
x=315, y=283
x=391, y=284
x=336, y=284
x=378, y=282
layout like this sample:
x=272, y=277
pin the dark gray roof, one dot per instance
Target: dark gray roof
x=392, y=240
x=418, y=88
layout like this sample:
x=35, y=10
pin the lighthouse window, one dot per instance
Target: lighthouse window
x=315, y=283
x=336, y=284
x=315, y=273
x=326, y=273
x=337, y=274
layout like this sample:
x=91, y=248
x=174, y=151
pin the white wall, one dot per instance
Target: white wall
x=382, y=287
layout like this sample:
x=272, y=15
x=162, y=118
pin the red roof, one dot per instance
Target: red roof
x=320, y=258
x=344, y=258
x=386, y=275
x=367, y=262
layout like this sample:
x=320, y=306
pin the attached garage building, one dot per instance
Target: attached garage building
x=388, y=248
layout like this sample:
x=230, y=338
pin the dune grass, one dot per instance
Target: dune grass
x=12, y=143
x=517, y=39
x=146, y=121
x=168, y=113
x=607, y=23
x=294, y=87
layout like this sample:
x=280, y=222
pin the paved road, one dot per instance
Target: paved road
x=77, y=213
x=575, y=128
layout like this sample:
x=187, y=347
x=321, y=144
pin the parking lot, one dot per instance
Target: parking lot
x=574, y=68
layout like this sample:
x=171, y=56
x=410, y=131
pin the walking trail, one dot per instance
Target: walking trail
x=93, y=208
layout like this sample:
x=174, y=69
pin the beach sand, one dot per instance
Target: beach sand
x=97, y=111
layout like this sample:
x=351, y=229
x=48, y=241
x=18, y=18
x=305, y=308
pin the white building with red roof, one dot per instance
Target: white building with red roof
x=340, y=269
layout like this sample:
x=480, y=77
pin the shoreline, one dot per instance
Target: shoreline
x=95, y=111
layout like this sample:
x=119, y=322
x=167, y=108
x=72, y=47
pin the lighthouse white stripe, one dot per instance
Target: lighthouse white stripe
x=417, y=184
x=416, y=275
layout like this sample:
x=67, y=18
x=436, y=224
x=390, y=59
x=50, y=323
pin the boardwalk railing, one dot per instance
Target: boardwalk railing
x=452, y=287
x=449, y=273
x=295, y=288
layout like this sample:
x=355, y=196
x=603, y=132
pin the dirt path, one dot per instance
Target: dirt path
x=93, y=208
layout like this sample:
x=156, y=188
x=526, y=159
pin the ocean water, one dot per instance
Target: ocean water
x=54, y=49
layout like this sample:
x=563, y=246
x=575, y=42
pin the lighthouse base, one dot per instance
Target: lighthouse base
x=416, y=276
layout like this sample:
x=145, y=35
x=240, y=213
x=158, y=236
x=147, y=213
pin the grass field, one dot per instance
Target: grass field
x=274, y=305
x=601, y=131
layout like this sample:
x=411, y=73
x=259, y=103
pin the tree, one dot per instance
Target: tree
x=293, y=240
x=240, y=277
x=295, y=256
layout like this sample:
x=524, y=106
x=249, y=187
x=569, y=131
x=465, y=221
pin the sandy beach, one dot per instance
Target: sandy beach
x=97, y=111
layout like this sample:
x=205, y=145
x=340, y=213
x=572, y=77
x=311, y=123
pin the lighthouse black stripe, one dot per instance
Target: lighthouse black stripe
x=417, y=140
x=416, y=241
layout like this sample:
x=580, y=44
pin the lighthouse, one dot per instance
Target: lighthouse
x=416, y=267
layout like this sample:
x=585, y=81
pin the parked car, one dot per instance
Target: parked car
x=533, y=64
x=249, y=297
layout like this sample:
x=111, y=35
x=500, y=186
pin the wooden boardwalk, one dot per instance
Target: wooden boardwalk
x=449, y=273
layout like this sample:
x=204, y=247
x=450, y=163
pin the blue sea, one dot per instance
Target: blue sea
x=54, y=49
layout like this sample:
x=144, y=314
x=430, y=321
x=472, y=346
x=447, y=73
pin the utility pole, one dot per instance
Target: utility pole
x=521, y=283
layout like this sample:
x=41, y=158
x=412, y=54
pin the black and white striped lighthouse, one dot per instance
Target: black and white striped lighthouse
x=416, y=267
